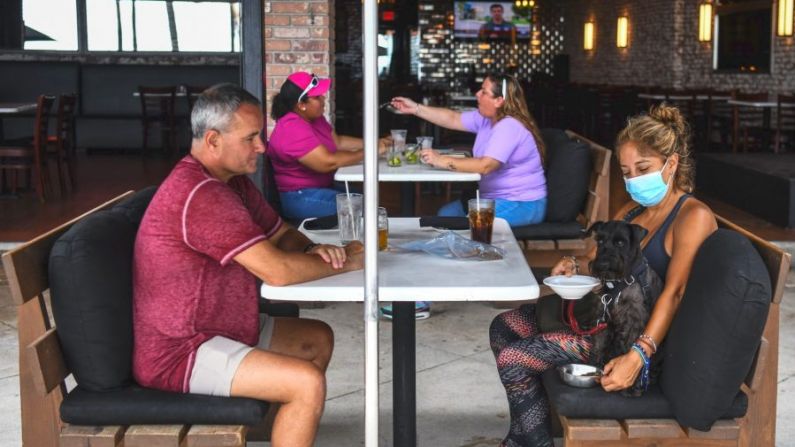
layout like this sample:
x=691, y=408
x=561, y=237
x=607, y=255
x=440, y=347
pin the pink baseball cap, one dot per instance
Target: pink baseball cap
x=303, y=79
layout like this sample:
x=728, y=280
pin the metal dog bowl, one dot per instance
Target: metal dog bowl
x=579, y=375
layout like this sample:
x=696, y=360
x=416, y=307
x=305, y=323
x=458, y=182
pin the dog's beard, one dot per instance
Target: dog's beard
x=608, y=268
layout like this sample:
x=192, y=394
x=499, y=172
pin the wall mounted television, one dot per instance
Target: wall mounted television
x=744, y=38
x=473, y=20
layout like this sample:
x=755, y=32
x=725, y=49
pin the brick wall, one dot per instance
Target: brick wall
x=647, y=60
x=663, y=50
x=298, y=37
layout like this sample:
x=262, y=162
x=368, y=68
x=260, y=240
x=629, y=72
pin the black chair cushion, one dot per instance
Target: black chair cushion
x=550, y=230
x=568, y=172
x=134, y=207
x=595, y=403
x=91, y=287
x=717, y=329
x=136, y=405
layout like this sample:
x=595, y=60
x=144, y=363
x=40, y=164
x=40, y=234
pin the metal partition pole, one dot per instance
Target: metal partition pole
x=370, y=27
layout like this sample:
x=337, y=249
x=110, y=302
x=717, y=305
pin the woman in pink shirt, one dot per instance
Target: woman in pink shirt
x=304, y=149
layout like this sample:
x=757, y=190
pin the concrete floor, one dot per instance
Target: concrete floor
x=460, y=401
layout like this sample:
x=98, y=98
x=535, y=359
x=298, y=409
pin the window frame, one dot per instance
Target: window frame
x=83, y=51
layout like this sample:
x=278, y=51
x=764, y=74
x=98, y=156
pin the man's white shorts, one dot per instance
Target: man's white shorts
x=218, y=358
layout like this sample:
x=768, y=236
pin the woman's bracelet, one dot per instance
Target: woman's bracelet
x=649, y=341
x=574, y=262
x=644, y=374
x=417, y=112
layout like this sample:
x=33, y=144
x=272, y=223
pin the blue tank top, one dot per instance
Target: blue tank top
x=655, y=250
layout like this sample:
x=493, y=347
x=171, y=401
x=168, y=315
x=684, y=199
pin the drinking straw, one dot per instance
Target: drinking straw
x=477, y=199
x=350, y=210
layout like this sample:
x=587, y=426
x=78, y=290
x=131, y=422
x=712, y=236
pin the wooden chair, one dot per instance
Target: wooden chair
x=756, y=429
x=191, y=93
x=43, y=369
x=29, y=156
x=157, y=110
x=720, y=121
x=750, y=121
x=785, y=121
x=545, y=252
x=61, y=145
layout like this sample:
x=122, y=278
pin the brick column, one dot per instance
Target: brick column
x=298, y=37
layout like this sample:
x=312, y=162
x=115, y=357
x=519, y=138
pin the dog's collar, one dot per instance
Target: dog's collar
x=616, y=286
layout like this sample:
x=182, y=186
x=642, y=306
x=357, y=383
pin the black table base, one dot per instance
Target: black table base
x=404, y=417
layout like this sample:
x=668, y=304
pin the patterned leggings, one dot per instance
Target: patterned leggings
x=523, y=354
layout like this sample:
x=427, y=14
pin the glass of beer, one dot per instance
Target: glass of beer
x=481, y=219
x=383, y=228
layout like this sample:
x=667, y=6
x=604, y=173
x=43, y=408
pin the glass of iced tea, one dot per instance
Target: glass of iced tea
x=383, y=229
x=481, y=219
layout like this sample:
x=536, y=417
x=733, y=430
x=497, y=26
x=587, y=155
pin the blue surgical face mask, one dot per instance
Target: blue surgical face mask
x=648, y=189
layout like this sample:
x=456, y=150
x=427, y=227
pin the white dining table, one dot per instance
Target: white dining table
x=16, y=107
x=13, y=108
x=405, y=277
x=418, y=276
x=682, y=97
x=418, y=172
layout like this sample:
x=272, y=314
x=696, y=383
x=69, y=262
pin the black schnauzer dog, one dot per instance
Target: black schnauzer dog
x=629, y=289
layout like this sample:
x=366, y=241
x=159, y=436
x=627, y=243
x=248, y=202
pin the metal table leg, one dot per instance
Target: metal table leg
x=404, y=415
x=406, y=199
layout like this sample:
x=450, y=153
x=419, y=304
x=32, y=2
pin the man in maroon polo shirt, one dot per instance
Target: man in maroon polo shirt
x=206, y=237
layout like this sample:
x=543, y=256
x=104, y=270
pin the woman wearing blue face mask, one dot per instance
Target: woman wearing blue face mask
x=658, y=173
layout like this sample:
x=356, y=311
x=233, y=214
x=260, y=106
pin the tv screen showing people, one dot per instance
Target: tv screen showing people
x=491, y=21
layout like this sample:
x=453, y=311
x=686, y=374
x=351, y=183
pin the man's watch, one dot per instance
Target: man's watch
x=310, y=246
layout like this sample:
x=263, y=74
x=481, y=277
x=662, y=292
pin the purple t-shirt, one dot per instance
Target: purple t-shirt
x=521, y=175
x=292, y=138
x=187, y=287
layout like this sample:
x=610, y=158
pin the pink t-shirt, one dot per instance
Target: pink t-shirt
x=292, y=138
x=187, y=288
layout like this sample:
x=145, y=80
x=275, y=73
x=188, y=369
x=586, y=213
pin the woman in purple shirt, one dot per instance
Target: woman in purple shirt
x=304, y=149
x=508, y=151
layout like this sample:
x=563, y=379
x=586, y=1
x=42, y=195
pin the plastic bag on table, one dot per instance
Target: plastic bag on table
x=452, y=245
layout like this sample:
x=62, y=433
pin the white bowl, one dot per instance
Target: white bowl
x=571, y=287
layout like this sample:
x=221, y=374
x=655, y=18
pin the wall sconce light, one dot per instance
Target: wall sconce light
x=785, y=9
x=587, y=36
x=705, y=22
x=622, y=30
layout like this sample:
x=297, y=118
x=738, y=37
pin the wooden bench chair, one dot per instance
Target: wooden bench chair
x=544, y=249
x=757, y=427
x=43, y=370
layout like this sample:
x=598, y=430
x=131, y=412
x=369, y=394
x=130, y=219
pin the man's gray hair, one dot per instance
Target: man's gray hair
x=216, y=106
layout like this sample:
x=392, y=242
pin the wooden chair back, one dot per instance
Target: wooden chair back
x=28, y=276
x=157, y=108
x=191, y=93
x=785, y=120
x=761, y=385
x=62, y=143
x=745, y=117
x=544, y=253
x=157, y=103
x=31, y=157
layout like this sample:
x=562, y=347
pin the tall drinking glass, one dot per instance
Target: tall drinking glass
x=481, y=219
x=349, y=217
